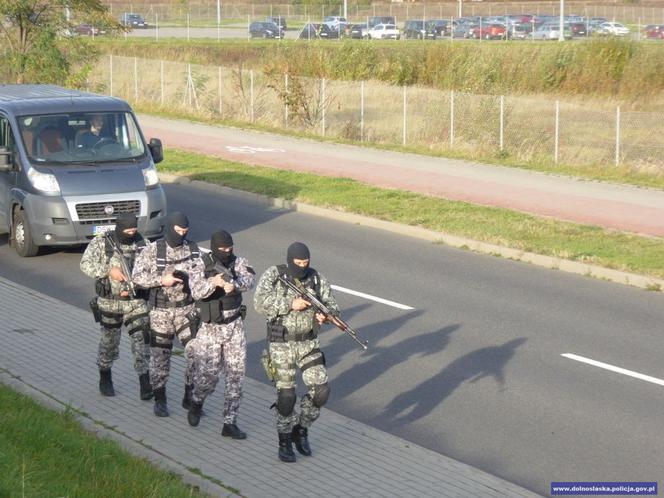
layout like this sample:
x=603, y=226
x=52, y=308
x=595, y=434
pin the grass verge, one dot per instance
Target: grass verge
x=45, y=453
x=589, y=244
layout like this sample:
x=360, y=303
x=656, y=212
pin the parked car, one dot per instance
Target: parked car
x=551, y=31
x=375, y=20
x=327, y=32
x=134, y=21
x=521, y=31
x=612, y=28
x=419, y=29
x=384, y=32
x=655, y=31
x=279, y=21
x=309, y=31
x=265, y=29
x=594, y=23
x=359, y=31
x=89, y=30
x=490, y=31
x=577, y=28
x=442, y=27
x=335, y=21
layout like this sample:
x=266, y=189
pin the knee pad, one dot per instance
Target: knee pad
x=285, y=401
x=321, y=394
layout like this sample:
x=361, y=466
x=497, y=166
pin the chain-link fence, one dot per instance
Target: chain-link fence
x=204, y=12
x=528, y=129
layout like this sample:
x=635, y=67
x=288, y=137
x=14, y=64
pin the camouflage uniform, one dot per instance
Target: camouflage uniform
x=301, y=348
x=170, y=306
x=222, y=345
x=116, y=309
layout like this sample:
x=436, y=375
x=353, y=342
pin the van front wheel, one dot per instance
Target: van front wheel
x=22, y=237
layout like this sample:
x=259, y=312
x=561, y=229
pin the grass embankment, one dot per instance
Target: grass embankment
x=44, y=453
x=627, y=71
x=588, y=244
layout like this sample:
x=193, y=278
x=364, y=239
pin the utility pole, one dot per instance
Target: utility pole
x=561, y=35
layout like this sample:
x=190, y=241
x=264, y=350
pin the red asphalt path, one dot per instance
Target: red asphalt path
x=619, y=207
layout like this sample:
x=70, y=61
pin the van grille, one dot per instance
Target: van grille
x=94, y=211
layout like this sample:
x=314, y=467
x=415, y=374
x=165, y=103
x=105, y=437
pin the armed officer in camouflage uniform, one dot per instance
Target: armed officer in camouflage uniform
x=174, y=272
x=115, y=303
x=292, y=336
x=221, y=335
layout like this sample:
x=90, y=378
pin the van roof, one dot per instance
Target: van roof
x=49, y=99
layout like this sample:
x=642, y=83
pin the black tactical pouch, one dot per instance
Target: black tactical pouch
x=276, y=332
x=243, y=311
x=194, y=318
x=103, y=287
x=96, y=312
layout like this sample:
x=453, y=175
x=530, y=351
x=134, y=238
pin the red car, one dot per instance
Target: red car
x=489, y=31
x=89, y=30
x=655, y=31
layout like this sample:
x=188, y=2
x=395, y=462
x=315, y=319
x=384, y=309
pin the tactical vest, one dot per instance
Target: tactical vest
x=103, y=285
x=212, y=307
x=158, y=298
x=313, y=275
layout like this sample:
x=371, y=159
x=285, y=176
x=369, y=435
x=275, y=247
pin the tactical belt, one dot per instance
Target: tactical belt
x=281, y=334
x=173, y=304
x=230, y=319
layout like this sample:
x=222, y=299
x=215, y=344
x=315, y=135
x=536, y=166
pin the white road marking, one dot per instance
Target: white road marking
x=619, y=370
x=372, y=298
x=246, y=149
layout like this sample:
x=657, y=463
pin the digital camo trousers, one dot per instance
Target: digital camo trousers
x=134, y=314
x=220, y=347
x=164, y=324
x=285, y=357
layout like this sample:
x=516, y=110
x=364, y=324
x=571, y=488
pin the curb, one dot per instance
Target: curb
x=137, y=449
x=550, y=262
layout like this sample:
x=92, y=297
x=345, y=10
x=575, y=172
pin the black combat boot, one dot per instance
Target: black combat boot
x=286, y=453
x=233, y=431
x=146, y=388
x=160, y=408
x=106, y=383
x=186, y=401
x=301, y=439
x=194, y=415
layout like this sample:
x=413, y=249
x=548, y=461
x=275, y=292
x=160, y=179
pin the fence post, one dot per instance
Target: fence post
x=556, y=151
x=161, y=80
x=220, y=104
x=286, y=106
x=502, y=123
x=251, y=91
x=618, y=136
x=361, y=110
x=156, y=26
x=110, y=79
x=188, y=22
x=135, y=79
x=452, y=119
x=404, y=115
x=322, y=103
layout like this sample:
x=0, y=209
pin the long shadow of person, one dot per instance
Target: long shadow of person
x=472, y=367
x=379, y=359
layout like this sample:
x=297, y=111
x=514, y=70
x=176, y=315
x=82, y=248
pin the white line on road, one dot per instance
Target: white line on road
x=372, y=298
x=619, y=370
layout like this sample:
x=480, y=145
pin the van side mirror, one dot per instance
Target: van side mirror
x=5, y=159
x=156, y=150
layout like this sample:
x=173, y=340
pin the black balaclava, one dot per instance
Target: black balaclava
x=297, y=250
x=123, y=222
x=221, y=238
x=173, y=238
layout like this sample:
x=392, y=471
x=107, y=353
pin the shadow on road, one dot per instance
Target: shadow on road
x=473, y=367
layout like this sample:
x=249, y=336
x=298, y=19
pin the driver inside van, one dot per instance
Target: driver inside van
x=89, y=138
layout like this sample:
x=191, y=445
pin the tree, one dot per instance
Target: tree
x=39, y=42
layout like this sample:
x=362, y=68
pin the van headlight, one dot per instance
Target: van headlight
x=45, y=182
x=150, y=176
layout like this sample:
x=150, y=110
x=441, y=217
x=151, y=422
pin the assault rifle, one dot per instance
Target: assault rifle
x=307, y=295
x=123, y=265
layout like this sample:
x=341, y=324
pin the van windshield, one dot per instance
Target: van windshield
x=81, y=138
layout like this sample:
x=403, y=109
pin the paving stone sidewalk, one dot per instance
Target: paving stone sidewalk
x=49, y=350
